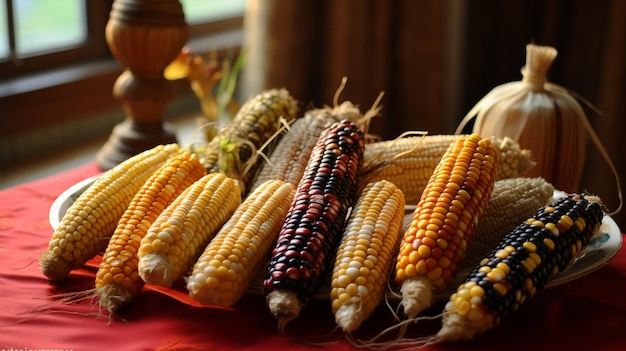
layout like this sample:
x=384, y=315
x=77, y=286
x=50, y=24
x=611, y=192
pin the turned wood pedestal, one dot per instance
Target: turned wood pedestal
x=144, y=36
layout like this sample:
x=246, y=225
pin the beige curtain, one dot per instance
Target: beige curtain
x=434, y=59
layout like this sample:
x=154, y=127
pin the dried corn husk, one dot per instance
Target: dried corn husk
x=543, y=117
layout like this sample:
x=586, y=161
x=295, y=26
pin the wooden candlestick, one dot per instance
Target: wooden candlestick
x=144, y=36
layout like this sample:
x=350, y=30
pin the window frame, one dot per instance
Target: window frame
x=87, y=82
x=94, y=47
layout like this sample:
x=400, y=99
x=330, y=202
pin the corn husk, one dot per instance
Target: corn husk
x=544, y=118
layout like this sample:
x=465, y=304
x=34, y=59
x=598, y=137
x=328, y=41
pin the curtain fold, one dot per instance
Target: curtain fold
x=393, y=47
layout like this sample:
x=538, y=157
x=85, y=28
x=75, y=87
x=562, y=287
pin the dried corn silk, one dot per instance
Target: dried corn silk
x=288, y=159
x=238, y=148
x=543, y=117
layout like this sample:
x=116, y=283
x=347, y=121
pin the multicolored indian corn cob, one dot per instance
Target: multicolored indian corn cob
x=410, y=161
x=520, y=266
x=176, y=239
x=444, y=221
x=291, y=153
x=315, y=221
x=233, y=150
x=229, y=263
x=512, y=200
x=88, y=224
x=117, y=279
x=365, y=254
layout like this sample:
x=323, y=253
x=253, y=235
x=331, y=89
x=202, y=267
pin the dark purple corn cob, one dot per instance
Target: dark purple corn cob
x=521, y=265
x=316, y=219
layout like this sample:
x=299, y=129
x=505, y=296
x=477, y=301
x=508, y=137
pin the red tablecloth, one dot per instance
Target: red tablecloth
x=586, y=314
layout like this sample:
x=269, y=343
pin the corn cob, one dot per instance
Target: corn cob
x=315, y=221
x=365, y=254
x=233, y=150
x=178, y=236
x=229, y=263
x=291, y=153
x=87, y=225
x=444, y=221
x=409, y=162
x=117, y=278
x=521, y=265
x=512, y=200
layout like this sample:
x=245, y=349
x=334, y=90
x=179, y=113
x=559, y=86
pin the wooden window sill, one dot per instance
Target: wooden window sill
x=39, y=100
x=36, y=106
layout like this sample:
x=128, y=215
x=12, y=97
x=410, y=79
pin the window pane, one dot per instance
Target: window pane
x=44, y=25
x=4, y=31
x=203, y=10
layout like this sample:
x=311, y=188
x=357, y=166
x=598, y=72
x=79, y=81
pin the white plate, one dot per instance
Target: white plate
x=66, y=199
x=600, y=250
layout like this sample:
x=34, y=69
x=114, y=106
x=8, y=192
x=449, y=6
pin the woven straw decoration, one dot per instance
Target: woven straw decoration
x=544, y=118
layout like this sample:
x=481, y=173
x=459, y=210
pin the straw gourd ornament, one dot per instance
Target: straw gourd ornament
x=544, y=118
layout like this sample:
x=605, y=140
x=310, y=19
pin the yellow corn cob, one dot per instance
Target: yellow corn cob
x=444, y=221
x=513, y=160
x=228, y=265
x=88, y=224
x=233, y=150
x=365, y=254
x=117, y=279
x=409, y=162
x=181, y=232
x=511, y=201
x=291, y=153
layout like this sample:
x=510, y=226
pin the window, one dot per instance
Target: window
x=56, y=70
x=37, y=35
x=201, y=11
x=44, y=25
